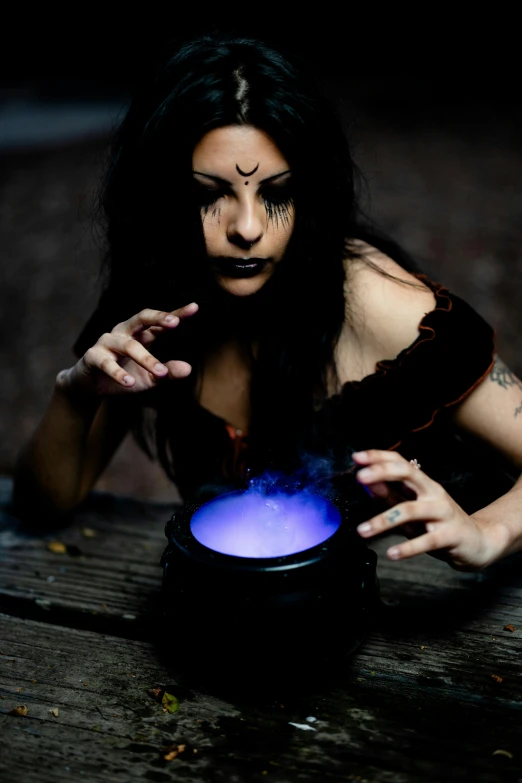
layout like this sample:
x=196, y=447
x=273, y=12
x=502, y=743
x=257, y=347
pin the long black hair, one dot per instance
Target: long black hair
x=155, y=244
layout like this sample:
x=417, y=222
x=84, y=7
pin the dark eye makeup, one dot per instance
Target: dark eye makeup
x=278, y=199
x=207, y=197
x=278, y=202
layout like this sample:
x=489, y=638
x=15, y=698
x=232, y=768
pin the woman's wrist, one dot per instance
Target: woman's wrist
x=498, y=539
x=71, y=395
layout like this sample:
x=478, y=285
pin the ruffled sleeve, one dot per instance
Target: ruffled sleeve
x=452, y=354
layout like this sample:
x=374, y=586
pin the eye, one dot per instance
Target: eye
x=278, y=202
x=207, y=197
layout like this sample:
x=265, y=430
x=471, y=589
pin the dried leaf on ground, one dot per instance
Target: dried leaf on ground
x=170, y=703
x=496, y=678
x=55, y=712
x=172, y=751
x=510, y=627
x=88, y=532
x=20, y=710
x=57, y=547
x=155, y=692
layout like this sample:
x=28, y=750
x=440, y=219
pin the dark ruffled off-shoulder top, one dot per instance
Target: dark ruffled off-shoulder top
x=405, y=405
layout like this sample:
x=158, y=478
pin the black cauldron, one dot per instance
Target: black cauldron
x=264, y=621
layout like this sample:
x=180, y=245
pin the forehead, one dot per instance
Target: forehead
x=241, y=145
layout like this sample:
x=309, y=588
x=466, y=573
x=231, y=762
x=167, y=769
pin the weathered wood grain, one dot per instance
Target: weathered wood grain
x=432, y=693
x=109, y=576
x=111, y=728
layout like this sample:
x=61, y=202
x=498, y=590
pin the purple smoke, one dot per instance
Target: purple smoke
x=254, y=523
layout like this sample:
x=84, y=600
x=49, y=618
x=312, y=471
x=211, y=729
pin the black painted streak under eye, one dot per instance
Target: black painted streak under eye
x=278, y=212
x=249, y=174
x=216, y=210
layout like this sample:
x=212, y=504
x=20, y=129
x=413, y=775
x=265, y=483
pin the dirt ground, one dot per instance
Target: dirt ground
x=449, y=187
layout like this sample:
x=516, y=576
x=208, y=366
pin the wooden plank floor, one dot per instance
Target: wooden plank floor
x=433, y=694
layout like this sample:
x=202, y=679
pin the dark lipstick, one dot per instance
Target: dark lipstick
x=239, y=267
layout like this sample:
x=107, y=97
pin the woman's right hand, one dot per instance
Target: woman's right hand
x=120, y=361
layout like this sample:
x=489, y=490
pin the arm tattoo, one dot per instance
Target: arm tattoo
x=518, y=410
x=503, y=376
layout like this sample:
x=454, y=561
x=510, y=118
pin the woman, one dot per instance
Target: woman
x=252, y=322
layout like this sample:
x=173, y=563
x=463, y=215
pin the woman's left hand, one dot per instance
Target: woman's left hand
x=439, y=526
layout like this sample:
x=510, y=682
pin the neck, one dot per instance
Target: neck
x=243, y=318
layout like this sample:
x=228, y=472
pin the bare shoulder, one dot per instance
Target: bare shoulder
x=385, y=305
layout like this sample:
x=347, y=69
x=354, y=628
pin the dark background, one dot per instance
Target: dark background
x=386, y=55
x=433, y=105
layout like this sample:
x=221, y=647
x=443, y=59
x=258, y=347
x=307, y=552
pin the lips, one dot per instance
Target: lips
x=239, y=267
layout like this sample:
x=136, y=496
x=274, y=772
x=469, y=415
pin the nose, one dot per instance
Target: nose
x=246, y=226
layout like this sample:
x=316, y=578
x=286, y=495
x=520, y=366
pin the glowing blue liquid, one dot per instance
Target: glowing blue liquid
x=250, y=524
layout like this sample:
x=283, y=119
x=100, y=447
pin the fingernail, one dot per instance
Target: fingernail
x=364, y=528
x=394, y=553
x=360, y=455
x=364, y=474
x=170, y=318
x=127, y=379
x=160, y=368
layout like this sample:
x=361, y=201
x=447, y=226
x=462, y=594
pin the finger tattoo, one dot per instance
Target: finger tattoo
x=392, y=516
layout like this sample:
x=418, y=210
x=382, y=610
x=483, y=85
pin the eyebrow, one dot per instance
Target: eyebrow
x=222, y=181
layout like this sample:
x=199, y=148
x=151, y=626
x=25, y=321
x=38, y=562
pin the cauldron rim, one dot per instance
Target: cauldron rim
x=180, y=535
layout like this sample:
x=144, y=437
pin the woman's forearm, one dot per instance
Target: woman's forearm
x=502, y=522
x=49, y=470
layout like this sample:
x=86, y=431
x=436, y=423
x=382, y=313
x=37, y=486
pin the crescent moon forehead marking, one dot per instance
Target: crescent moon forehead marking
x=246, y=174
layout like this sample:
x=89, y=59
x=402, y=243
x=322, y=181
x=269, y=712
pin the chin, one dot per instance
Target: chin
x=243, y=286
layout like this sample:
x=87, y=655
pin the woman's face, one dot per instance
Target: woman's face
x=244, y=188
